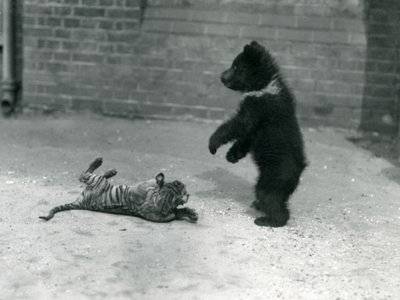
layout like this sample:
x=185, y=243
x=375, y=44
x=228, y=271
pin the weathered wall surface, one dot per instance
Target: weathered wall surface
x=163, y=58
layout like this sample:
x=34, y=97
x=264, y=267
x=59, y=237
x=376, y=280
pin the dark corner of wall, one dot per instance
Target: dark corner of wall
x=380, y=105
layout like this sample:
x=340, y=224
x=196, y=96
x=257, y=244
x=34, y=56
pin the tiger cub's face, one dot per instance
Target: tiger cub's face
x=176, y=190
x=180, y=193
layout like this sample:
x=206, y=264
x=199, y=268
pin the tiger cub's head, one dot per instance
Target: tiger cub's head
x=175, y=191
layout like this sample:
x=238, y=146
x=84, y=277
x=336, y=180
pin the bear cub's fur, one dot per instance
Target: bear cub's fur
x=265, y=125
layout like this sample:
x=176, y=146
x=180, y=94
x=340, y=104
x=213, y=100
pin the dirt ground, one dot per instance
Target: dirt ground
x=342, y=241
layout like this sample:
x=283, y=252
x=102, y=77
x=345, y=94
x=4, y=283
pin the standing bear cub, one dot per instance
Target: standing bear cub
x=265, y=125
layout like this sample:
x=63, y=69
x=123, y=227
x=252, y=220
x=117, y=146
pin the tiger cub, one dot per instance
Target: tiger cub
x=153, y=200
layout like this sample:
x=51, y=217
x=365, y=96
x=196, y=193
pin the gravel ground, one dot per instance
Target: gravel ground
x=342, y=241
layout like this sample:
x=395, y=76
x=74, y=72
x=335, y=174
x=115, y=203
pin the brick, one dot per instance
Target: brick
x=68, y=45
x=277, y=20
x=39, y=32
x=55, y=67
x=89, y=12
x=123, y=13
x=106, y=49
x=88, y=47
x=133, y=3
x=107, y=2
x=121, y=94
x=208, y=16
x=223, y=30
x=379, y=103
x=114, y=60
x=38, y=9
x=313, y=22
x=90, y=2
x=83, y=104
x=349, y=25
x=187, y=27
x=72, y=23
x=62, y=56
x=106, y=24
x=381, y=79
x=37, y=100
x=153, y=109
x=91, y=58
x=130, y=25
x=330, y=37
x=30, y=20
x=382, y=91
x=357, y=39
x=62, y=33
x=243, y=18
x=382, y=29
x=149, y=61
x=385, y=67
x=42, y=55
x=53, y=22
x=258, y=32
x=82, y=34
x=167, y=13
x=89, y=23
x=121, y=108
x=304, y=84
x=127, y=37
x=52, y=44
x=295, y=35
x=123, y=48
x=62, y=10
x=379, y=16
x=339, y=88
x=157, y=26
x=380, y=41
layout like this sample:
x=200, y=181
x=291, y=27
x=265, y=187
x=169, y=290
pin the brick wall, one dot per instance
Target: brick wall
x=163, y=57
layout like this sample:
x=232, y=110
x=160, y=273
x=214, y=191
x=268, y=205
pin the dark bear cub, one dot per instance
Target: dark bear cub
x=265, y=125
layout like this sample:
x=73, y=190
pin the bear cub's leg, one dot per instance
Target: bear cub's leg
x=272, y=200
x=238, y=150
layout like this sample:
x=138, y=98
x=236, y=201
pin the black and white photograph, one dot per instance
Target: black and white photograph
x=200, y=149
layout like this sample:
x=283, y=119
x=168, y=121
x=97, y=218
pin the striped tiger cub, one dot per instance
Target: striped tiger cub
x=153, y=200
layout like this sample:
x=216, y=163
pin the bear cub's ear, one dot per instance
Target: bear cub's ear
x=255, y=44
x=253, y=51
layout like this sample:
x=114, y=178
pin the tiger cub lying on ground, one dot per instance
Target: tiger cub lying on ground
x=153, y=200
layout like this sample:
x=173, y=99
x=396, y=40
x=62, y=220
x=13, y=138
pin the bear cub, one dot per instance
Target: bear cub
x=265, y=125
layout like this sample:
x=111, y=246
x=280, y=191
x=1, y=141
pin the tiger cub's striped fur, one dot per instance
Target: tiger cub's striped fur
x=153, y=200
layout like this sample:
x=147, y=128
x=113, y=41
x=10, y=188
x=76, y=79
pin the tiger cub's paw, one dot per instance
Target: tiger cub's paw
x=110, y=173
x=192, y=215
x=186, y=213
x=97, y=162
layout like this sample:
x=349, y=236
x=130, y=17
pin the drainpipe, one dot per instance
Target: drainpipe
x=9, y=84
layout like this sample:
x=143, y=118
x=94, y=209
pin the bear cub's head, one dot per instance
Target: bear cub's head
x=251, y=70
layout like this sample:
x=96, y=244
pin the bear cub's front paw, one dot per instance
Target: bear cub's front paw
x=232, y=156
x=213, y=144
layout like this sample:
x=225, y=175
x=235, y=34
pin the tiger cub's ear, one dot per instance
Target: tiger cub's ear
x=160, y=180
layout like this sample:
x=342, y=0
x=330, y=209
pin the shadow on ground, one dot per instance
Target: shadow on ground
x=228, y=184
x=380, y=146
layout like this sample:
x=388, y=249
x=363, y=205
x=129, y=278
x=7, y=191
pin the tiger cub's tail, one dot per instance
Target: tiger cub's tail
x=69, y=206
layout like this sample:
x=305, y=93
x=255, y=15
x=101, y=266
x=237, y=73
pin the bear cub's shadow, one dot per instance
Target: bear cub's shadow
x=227, y=186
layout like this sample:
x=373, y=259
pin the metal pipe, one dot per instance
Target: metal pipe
x=9, y=84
